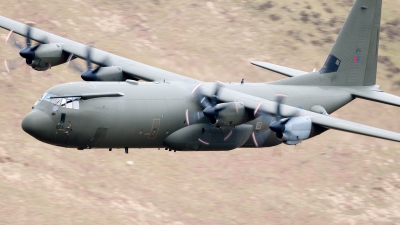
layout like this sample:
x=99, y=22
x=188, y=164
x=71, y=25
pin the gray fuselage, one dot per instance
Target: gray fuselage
x=149, y=112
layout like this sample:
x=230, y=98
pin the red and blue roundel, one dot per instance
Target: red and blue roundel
x=357, y=59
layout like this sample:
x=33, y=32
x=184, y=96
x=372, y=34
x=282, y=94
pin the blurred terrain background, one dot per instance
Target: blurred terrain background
x=335, y=178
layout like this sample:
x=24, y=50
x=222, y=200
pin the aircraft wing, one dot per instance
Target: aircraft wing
x=289, y=72
x=253, y=103
x=132, y=69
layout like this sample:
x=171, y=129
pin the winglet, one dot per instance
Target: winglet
x=279, y=69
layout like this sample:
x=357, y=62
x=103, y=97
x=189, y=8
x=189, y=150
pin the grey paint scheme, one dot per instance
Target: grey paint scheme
x=129, y=120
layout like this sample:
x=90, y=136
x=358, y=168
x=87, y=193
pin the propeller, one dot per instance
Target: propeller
x=259, y=136
x=276, y=124
x=210, y=108
x=90, y=73
x=27, y=52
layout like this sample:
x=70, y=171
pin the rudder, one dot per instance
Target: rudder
x=354, y=54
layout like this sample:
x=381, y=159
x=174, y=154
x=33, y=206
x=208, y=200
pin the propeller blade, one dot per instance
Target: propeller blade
x=278, y=126
x=193, y=117
x=88, y=59
x=201, y=99
x=12, y=64
x=214, y=99
x=211, y=112
x=205, y=137
x=28, y=36
x=90, y=73
x=29, y=25
x=279, y=100
x=10, y=38
x=73, y=65
x=28, y=52
x=228, y=134
x=260, y=137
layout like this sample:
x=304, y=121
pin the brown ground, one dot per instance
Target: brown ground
x=336, y=178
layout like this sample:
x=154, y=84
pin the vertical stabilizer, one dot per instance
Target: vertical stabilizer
x=354, y=55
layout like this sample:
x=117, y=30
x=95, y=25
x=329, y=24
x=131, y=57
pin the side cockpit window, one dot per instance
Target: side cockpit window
x=69, y=103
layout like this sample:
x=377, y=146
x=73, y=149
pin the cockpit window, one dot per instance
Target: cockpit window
x=46, y=97
x=67, y=102
x=42, y=97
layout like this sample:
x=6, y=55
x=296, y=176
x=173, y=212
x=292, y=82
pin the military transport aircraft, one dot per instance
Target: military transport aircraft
x=113, y=110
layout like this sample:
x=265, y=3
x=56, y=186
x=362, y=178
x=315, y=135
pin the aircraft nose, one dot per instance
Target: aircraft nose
x=38, y=124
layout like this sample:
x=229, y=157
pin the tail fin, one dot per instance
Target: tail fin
x=354, y=55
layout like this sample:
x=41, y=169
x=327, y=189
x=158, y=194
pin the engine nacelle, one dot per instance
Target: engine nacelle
x=296, y=130
x=203, y=137
x=110, y=73
x=230, y=115
x=48, y=55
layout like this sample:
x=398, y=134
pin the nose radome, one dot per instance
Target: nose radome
x=38, y=124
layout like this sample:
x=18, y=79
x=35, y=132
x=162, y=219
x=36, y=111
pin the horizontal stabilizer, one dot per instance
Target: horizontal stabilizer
x=279, y=69
x=377, y=96
x=343, y=125
x=92, y=95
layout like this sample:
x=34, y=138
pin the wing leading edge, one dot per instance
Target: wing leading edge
x=132, y=69
x=289, y=72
